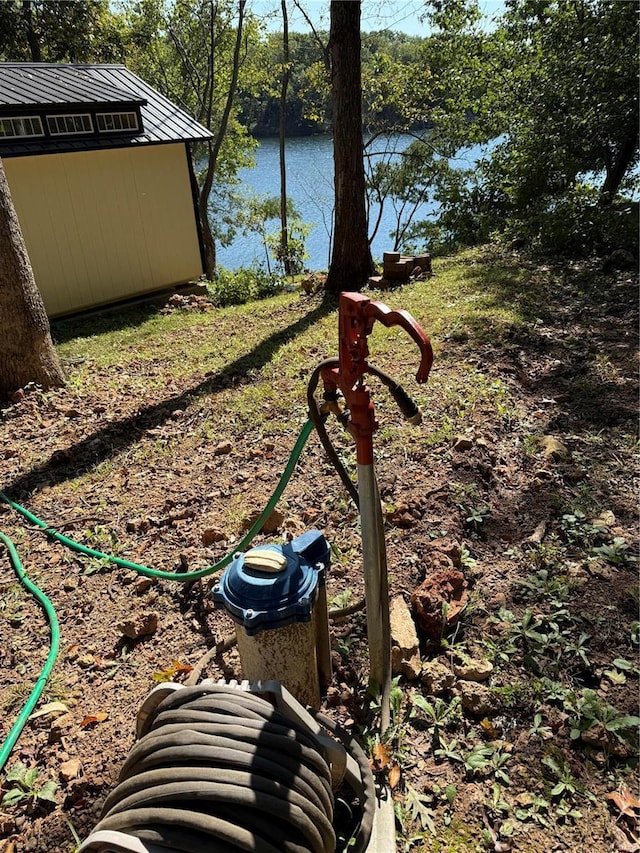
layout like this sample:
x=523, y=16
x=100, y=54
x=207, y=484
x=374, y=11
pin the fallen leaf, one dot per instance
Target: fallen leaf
x=394, y=775
x=381, y=757
x=92, y=719
x=171, y=670
x=624, y=802
x=50, y=708
x=489, y=728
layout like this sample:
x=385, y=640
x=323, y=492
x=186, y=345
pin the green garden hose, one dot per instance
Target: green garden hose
x=182, y=577
x=16, y=729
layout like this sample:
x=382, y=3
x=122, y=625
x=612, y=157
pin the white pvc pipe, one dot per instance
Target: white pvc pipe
x=376, y=588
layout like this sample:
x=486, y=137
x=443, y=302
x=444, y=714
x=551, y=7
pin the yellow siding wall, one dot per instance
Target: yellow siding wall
x=105, y=225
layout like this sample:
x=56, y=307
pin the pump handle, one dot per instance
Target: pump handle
x=379, y=311
x=357, y=314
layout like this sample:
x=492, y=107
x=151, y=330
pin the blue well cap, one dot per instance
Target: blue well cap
x=274, y=585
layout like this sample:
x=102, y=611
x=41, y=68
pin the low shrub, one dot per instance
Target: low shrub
x=243, y=285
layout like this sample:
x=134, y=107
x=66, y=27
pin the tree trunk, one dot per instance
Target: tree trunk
x=32, y=36
x=215, y=146
x=617, y=168
x=208, y=243
x=284, y=230
x=351, y=263
x=26, y=350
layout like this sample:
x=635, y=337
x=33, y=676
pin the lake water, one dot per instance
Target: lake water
x=310, y=186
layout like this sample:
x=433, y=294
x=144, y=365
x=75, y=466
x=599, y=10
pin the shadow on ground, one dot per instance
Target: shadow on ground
x=85, y=455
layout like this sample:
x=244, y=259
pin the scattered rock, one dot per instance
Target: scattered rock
x=437, y=678
x=473, y=670
x=404, y=515
x=333, y=696
x=271, y=525
x=605, y=519
x=554, y=449
x=7, y=824
x=211, y=535
x=619, y=259
x=573, y=474
x=312, y=283
x=70, y=584
x=499, y=600
x=438, y=602
x=405, y=658
x=462, y=443
x=70, y=769
x=536, y=537
x=142, y=585
x=223, y=448
x=477, y=699
x=139, y=625
x=598, y=737
x=193, y=302
x=449, y=547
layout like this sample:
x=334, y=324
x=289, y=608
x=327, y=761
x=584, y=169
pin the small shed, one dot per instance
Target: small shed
x=100, y=171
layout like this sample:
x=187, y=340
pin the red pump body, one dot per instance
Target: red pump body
x=357, y=314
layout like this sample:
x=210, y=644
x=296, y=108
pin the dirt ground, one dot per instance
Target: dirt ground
x=524, y=486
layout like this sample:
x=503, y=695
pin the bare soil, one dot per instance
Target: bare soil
x=125, y=463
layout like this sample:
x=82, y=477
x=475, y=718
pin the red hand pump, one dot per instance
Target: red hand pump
x=357, y=315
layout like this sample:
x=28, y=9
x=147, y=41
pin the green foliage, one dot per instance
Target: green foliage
x=543, y=585
x=616, y=553
x=59, y=31
x=437, y=714
x=417, y=807
x=186, y=51
x=243, y=285
x=485, y=759
x=256, y=215
x=569, y=110
x=578, y=529
x=554, y=84
x=590, y=710
x=475, y=518
x=539, y=730
x=22, y=785
x=534, y=808
x=547, y=641
x=566, y=785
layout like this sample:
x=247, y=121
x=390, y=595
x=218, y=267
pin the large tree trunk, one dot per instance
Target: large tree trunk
x=26, y=350
x=351, y=263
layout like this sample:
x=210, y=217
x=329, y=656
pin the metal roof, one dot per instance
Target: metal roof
x=36, y=88
x=31, y=84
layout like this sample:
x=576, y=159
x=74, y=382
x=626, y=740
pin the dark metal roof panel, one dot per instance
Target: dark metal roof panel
x=111, y=85
x=44, y=84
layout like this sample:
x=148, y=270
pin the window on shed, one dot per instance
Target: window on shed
x=20, y=126
x=109, y=122
x=79, y=123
